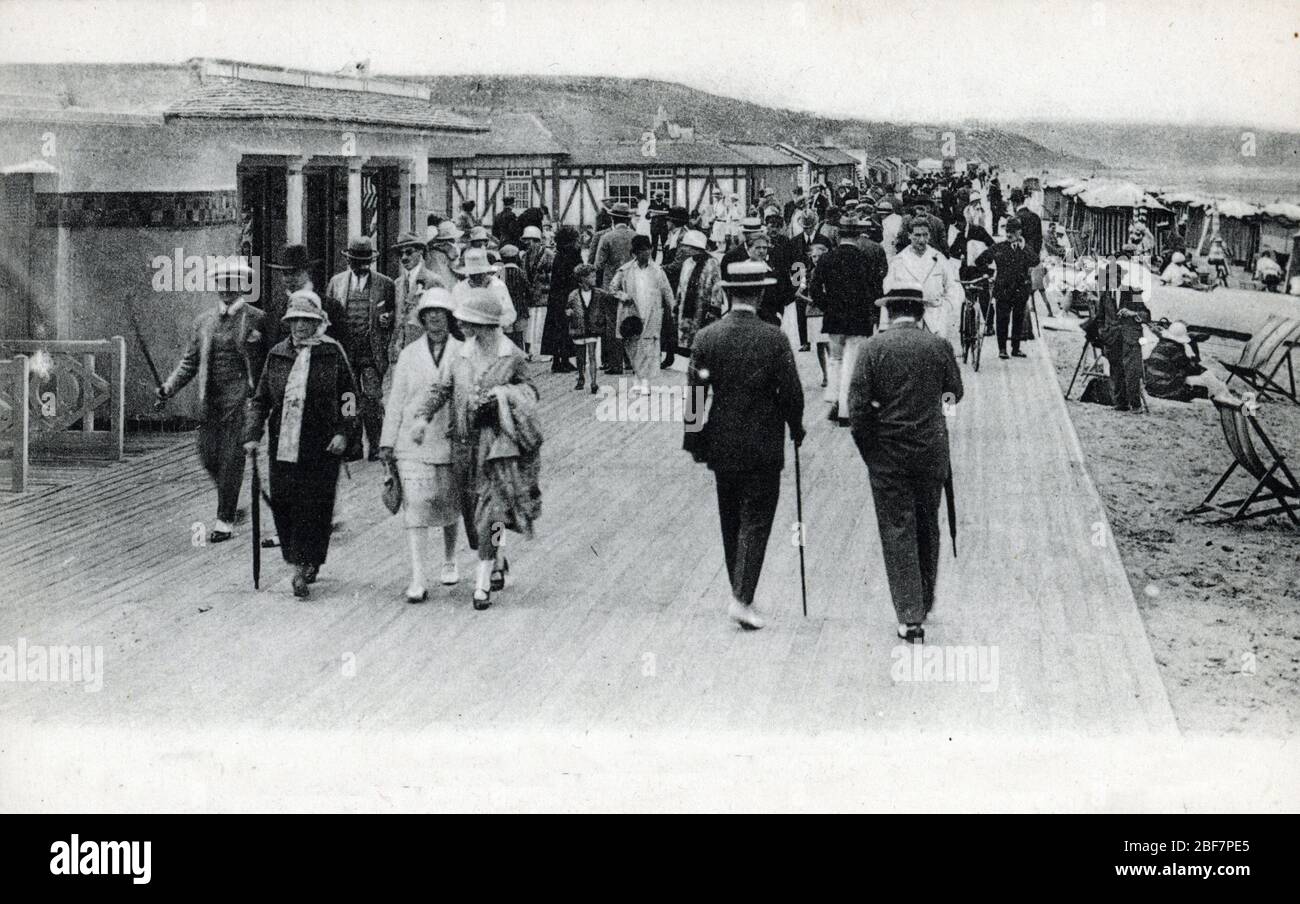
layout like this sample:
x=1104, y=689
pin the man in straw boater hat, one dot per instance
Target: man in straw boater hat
x=845, y=285
x=226, y=350
x=903, y=379
x=366, y=299
x=749, y=367
x=612, y=252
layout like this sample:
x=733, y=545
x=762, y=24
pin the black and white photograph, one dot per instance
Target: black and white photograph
x=783, y=406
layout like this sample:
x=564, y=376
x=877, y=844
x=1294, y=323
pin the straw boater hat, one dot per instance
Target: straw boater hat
x=408, y=240
x=479, y=234
x=480, y=306
x=532, y=232
x=231, y=275
x=620, y=211
x=304, y=305
x=747, y=275
x=475, y=260
x=360, y=249
x=434, y=298
x=751, y=224
x=695, y=239
x=851, y=226
x=509, y=253
x=909, y=292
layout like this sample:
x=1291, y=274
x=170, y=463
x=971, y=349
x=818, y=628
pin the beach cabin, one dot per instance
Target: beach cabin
x=1277, y=226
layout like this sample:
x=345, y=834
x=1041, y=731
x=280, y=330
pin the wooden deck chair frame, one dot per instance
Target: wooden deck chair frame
x=1274, y=482
x=1274, y=342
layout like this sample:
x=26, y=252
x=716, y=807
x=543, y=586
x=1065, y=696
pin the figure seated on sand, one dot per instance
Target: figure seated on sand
x=1173, y=369
x=1178, y=273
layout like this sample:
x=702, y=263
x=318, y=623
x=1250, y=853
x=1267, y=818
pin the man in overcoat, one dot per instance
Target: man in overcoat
x=749, y=368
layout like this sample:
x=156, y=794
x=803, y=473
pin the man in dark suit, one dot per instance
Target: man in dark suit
x=1011, y=285
x=503, y=225
x=749, y=367
x=903, y=381
x=780, y=258
x=226, y=351
x=845, y=285
x=1031, y=225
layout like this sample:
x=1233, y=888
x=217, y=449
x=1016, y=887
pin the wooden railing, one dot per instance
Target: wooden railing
x=15, y=415
x=71, y=384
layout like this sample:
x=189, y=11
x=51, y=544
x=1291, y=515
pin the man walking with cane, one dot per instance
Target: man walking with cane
x=749, y=366
x=903, y=379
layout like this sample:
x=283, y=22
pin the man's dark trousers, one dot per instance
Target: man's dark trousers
x=1125, y=359
x=746, y=506
x=1012, y=309
x=907, y=514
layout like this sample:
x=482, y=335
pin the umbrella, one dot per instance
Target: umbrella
x=952, y=512
x=257, y=523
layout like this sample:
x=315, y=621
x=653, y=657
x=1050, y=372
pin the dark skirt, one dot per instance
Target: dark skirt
x=555, y=332
x=302, y=503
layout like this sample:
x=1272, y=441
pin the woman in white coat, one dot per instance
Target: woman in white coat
x=430, y=488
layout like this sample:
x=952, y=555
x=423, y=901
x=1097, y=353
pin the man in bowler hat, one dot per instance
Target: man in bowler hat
x=749, y=367
x=903, y=379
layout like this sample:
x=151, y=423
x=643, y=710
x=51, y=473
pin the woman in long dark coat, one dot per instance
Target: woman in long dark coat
x=555, y=332
x=308, y=396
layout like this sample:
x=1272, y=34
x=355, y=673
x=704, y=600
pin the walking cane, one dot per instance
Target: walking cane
x=798, y=503
x=257, y=522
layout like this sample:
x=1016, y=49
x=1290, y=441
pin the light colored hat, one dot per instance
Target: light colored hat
x=479, y=305
x=1178, y=332
x=620, y=211
x=885, y=204
x=695, y=239
x=360, y=249
x=1179, y=258
x=751, y=224
x=435, y=297
x=532, y=232
x=408, y=240
x=479, y=234
x=475, y=260
x=304, y=305
x=509, y=252
x=912, y=291
x=447, y=232
x=231, y=270
x=747, y=275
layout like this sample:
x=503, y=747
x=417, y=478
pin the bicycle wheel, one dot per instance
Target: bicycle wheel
x=977, y=345
x=967, y=317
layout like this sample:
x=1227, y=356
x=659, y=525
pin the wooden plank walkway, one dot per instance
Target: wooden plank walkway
x=614, y=616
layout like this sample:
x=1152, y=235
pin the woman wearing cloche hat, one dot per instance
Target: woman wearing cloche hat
x=307, y=396
x=494, y=431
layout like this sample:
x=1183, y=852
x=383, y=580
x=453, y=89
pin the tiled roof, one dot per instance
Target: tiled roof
x=242, y=99
x=666, y=153
x=510, y=134
x=764, y=154
x=828, y=156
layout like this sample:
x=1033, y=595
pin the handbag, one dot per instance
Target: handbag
x=392, y=491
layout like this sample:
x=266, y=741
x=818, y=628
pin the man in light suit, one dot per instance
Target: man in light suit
x=413, y=279
x=903, y=379
x=226, y=351
x=365, y=298
x=749, y=367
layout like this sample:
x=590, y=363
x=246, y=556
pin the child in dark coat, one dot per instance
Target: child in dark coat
x=583, y=311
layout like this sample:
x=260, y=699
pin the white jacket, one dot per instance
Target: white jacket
x=413, y=374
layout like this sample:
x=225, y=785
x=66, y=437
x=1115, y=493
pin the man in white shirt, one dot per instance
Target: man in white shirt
x=890, y=222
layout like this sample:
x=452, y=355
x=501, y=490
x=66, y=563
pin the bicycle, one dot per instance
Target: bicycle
x=974, y=310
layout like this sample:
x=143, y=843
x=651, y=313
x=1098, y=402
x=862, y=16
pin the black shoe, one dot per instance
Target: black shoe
x=1019, y=354
x=1122, y=408
x=913, y=634
x=805, y=347
x=270, y=542
x=482, y=600
x=310, y=573
x=218, y=536
x=300, y=583
x=373, y=456
x=823, y=382
x=580, y=385
x=1003, y=355
x=834, y=414
x=593, y=388
x=498, y=577
x=668, y=362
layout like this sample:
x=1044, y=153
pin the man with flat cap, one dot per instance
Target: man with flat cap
x=903, y=380
x=226, y=350
x=366, y=297
x=749, y=368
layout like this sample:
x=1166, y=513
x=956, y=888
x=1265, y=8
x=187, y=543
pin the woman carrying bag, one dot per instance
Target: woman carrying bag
x=492, y=411
x=309, y=398
x=430, y=489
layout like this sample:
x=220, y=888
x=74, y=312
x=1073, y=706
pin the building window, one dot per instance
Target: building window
x=519, y=189
x=623, y=186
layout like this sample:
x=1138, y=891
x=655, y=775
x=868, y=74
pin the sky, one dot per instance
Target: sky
x=1162, y=61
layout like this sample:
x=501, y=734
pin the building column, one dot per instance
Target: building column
x=404, y=196
x=293, y=231
x=354, y=196
x=420, y=178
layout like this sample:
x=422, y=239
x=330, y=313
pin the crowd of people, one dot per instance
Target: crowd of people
x=430, y=371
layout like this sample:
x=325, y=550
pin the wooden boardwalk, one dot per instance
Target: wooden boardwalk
x=614, y=618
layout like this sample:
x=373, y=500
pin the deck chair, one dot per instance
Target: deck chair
x=1274, y=482
x=1263, y=356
